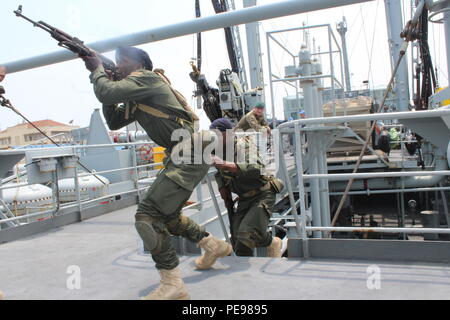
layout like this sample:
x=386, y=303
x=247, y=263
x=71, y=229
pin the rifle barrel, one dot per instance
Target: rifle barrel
x=66, y=40
x=36, y=24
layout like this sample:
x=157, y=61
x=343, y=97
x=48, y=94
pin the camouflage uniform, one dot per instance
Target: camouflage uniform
x=256, y=200
x=174, y=184
x=252, y=121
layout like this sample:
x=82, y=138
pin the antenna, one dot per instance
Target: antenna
x=341, y=27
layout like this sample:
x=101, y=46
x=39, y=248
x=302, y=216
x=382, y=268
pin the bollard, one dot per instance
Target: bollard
x=430, y=219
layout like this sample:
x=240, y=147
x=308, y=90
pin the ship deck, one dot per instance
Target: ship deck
x=109, y=254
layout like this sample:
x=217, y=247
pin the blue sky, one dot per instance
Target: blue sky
x=63, y=93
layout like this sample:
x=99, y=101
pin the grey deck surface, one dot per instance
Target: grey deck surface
x=107, y=250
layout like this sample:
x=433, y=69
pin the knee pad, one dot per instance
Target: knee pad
x=148, y=234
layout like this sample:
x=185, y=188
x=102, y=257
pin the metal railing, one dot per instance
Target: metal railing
x=81, y=205
x=296, y=127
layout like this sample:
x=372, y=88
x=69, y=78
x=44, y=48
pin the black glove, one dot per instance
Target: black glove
x=92, y=62
x=225, y=193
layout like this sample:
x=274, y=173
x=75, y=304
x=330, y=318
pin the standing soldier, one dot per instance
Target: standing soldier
x=257, y=192
x=139, y=94
x=254, y=120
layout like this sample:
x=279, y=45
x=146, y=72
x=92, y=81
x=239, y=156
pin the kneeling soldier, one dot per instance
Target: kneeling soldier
x=257, y=192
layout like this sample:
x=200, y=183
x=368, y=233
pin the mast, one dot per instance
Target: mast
x=254, y=50
x=447, y=36
x=342, y=29
x=395, y=27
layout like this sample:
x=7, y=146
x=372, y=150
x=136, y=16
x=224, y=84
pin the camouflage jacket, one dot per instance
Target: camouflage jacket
x=251, y=169
x=120, y=98
x=252, y=121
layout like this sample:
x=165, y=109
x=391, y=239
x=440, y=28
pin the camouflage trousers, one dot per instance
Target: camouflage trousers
x=250, y=223
x=159, y=216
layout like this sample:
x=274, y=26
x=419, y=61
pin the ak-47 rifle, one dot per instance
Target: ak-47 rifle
x=229, y=204
x=67, y=41
x=231, y=212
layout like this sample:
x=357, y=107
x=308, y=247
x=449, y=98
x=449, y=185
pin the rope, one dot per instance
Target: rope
x=369, y=136
x=357, y=38
x=365, y=41
x=370, y=74
x=198, y=14
x=7, y=104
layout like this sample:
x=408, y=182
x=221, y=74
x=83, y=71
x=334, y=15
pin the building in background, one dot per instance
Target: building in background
x=24, y=134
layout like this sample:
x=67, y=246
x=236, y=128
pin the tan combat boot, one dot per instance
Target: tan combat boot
x=274, y=250
x=214, y=248
x=172, y=287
